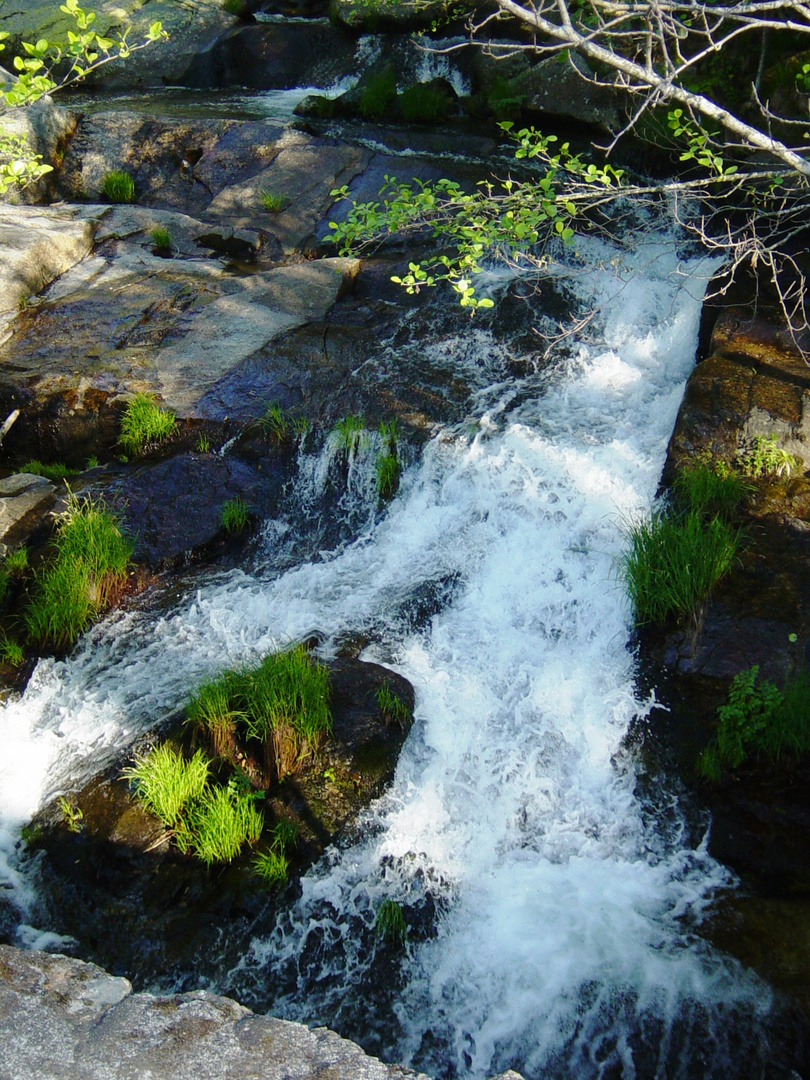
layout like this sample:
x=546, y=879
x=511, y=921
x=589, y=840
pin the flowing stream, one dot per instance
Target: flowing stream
x=555, y=911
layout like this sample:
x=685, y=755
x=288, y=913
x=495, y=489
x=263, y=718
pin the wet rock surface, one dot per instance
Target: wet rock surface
x=754, y=382
x=131, y=901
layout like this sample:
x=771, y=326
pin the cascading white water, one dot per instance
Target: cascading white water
x=564, y=937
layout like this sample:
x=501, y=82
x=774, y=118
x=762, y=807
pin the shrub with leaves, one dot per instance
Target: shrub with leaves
x=758, y=721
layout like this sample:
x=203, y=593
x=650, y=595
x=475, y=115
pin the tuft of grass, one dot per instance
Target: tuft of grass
x=16, y=560
x=203, y=444
x=274, y=422
x=272, y=866
x=351, y=432
x=167, y=784
x=390, y=434
x=711, y=489
x=758, y=721
x=162, y=240
x=87, y=574
x=10, y=651
x=390, y=923
x=764, y=457
x=234, y=515
x=673, y=561
x=56, y=471
x=378, y=95
x=283, y=703
x=285, y=834
x=388, y=470
x=272, y=202
x=219, y=823
x=92, y=463
x=118, y=187
x=392, y=708
x=145, y=424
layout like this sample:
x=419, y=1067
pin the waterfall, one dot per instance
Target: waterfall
x=555, y=921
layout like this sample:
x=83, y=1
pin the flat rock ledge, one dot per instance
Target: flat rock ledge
x=62, y=1019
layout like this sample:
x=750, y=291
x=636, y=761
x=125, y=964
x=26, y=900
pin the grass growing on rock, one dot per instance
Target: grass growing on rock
x=56, y=471
x=711, y=489
x=388, y=470
x=219, y=823
x=283, y=704
x=166, y=783
x=392, y=708
x=145, y=424
x=162, y=240
x=351, y=432
x=88, y=573
x=118, y=187
x=390, y=923
x=234, y=515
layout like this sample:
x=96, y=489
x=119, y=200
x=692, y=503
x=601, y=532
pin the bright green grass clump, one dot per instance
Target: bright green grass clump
x=283, y=704
x=118, y=187
x=271, y=201
x=351, y=431
x=56, y=471
x=392, y=708
x=219, y=823
x=10, y=651
x=234, y=515
x=390, y=923
x=145, y=424
x=88, y=573
x=166, y=783
x=758, y=721
x=162, y=240
x=673, y=562
x=16, y=560
x=711, y=490
x=388, y=470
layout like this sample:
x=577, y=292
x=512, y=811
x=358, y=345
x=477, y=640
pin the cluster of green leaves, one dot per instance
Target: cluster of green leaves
x=764, y=457
x=89, y=571
x=212, y=821
x=286, y=696
x=509, y=216
x=758, y=721
x=145, y=424
x=675, y=556
x=48, y=66
x=55, y=471
x=700, y=144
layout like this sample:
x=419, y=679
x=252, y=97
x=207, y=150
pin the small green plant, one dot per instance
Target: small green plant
x=392, y=708
x=56, y=471
x=92, y=462
x=218, y=824
x=275, y=423
x=390, y=923
x=300, y=426
x=88, y=573
x=390, y=434
x=803, y=79
x=166, y=783
x=423, y=104
x=10, y=651
x=213, y=710
x=162, y=240
x=764, y=457
x=272, y=202
x=503, y=99
x=71, y=813
x=759, y=720
x=203, y=444
x=16, y=560
x=145, y=424
x=285, y=834
x=272, y=866
x=711, y=489
x=118, y=187
x=673, y=561
x=378, y=95
x=31, y=834
x=234, y=515
x=388, y=470
x=351, y=431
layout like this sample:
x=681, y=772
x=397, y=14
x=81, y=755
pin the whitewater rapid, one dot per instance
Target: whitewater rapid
x=563, y=939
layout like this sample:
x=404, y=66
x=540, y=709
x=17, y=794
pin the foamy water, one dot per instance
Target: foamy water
x=563, y=937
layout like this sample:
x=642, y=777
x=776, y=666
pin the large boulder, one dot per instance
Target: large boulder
x=192, y=27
